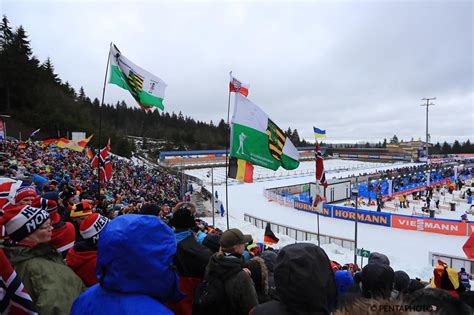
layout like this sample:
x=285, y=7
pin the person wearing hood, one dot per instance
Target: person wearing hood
x=53, y=286
x=401, y=284
x=228, y=266
x=259, y=274
x=377, y=281
x=304, y=282
x=134, y=268
x=378, y=258
x=344, y=282
x=270, y=257
x=191, y=257
x=82, y=258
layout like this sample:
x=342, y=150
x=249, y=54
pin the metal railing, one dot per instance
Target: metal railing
x=297, y=234
x=454, y=262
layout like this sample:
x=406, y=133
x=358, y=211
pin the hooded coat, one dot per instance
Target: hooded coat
x=304, y=282
x=134, y=268
x=82, y=258
x=52, y=285
x=239, y=288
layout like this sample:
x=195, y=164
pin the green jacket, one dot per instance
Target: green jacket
x=52, y=285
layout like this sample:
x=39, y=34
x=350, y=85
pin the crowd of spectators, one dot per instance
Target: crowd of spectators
x=70, y=254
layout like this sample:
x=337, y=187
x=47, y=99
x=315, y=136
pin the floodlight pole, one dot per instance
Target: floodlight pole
x=428, y=104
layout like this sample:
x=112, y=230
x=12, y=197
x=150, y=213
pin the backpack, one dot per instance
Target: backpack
x=210, y=296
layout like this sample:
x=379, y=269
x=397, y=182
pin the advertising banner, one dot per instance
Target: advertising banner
x=364, y=216
x=449, y=227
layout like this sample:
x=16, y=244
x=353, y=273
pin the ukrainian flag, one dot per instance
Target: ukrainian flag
x=319, y=133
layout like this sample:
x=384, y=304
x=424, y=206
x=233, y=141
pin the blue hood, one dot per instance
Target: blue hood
x=135, y=255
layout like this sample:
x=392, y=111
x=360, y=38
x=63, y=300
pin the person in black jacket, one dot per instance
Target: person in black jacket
x=304, y=282
x=191, y=257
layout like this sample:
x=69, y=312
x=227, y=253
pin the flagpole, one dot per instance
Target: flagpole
x=227, y=161
x=100, y=123
x=212, y=198
x=317, y=187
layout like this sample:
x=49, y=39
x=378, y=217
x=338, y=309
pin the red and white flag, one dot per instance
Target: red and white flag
x=238, y=86
x=102, y=161
x=14, y=299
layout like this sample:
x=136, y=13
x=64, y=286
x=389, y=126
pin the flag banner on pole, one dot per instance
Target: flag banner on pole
x=147, y=89
x=76, y=145
x=269, y=237
x=238, y=86
x=34, y=133
x=102, y=161
x=320, y=174
x=89, y=154
x=257, y=139
x=241, y=170
x=319, y=133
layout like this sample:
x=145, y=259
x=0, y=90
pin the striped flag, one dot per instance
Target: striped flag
x=319, y=133
x=269, y=237
x=241, y=170
x=238, y=86
x=14, y=299
x=89, y=154
x=102, y=161
x=147, y=89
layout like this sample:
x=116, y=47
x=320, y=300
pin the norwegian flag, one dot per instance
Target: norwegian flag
x=238, y=86
x=320, y=174
x=14, y=299
x=102, y=161
x=8, y=188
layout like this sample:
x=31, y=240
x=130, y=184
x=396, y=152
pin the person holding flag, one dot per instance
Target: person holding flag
x=320, y=174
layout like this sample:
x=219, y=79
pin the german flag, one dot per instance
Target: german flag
x=241, y=170
x=276, y=140
x=269, y=238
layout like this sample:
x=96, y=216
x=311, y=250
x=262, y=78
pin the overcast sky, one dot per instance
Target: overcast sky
x=358, y=69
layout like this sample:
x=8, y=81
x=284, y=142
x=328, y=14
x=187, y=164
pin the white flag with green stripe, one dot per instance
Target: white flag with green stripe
x=147, y=89
x=257, y=139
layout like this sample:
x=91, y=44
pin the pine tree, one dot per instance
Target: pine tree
x=48, y=67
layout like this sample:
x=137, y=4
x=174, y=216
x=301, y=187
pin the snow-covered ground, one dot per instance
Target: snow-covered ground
x=407, y=250
x=334, y=168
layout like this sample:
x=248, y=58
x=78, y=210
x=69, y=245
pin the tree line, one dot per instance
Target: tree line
x=34, y=95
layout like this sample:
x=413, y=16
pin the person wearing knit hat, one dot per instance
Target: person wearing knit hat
x=64, y=234
x=191, y=257
x=81, y=210
x=29, y=230
x=82, y=258
x=25, y=195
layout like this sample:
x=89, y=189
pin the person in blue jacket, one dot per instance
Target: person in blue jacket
x=134, y=268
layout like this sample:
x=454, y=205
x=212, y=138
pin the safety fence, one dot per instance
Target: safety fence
x=290, y=197
x=454, y=262
x=298, y=234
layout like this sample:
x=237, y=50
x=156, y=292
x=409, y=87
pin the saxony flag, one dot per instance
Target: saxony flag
x=148, y=90
x=257, y=139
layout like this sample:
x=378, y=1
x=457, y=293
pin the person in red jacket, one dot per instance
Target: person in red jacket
x=82, y=258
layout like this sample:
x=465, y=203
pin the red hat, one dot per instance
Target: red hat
x=49, y=206
x=22, y=221
x=81, y=209
x=24, y=192
x=93, y=225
